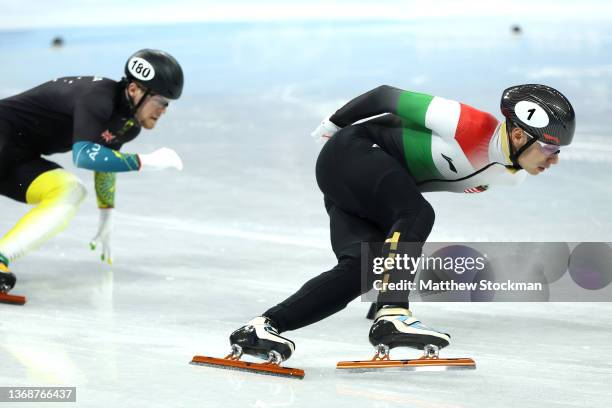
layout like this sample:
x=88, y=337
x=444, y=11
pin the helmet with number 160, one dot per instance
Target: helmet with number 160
x=157, y=71
x=541, y=111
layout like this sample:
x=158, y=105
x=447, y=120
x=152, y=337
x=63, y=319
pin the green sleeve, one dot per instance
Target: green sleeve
x=412, y=107
x=105, y=184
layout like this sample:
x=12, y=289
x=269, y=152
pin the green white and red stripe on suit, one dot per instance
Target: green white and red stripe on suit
x=447, y=145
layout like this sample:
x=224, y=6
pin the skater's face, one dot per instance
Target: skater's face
x=151, y=109
x=537, y=158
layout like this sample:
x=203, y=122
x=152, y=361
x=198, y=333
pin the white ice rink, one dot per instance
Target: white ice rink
x=199, y=253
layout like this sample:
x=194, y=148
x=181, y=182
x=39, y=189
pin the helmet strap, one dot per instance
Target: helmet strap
x=134, y=107
x=514, y=155
x=141, y=101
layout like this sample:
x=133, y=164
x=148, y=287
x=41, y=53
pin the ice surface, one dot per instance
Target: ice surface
x=200, y=252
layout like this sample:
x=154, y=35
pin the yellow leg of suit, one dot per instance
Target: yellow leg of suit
x=57, y=195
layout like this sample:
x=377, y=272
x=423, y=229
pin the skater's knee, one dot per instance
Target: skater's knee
x=349, y=266
x=427, y=214
x=343, y=278
x=350, y=269
x=416, y=224
x=420, y=209
x=56, y=186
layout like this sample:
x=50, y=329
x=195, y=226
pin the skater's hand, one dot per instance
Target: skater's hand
x=161, y=159
x=103, y=237
x=324, y=131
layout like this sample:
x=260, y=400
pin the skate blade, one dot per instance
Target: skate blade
x=259, y=368
x=12, y=299
x=419, y=364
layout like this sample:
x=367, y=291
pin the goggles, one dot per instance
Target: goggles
x=547, y=149
x=160, y=101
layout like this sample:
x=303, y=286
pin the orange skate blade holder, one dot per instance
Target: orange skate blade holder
x=424, y=363
x=12, y=299
x=233, y=362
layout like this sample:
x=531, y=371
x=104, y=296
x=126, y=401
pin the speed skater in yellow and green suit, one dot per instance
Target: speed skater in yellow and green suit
x=93, y=117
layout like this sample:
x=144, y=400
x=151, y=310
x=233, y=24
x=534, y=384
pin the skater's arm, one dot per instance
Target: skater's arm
x=410, y=106
x=382, y=99
x=105, y=185
x=375, y=102
x=93, y=156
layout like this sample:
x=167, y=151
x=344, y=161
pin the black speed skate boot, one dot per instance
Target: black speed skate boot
x=7, y=282
x=395, y=327
x=7, y=278
x=261, y=339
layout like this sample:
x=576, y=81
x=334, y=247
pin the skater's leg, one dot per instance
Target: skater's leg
x=318, y=298
x=331, y=291
x=56, y=195
x=358, y=178
x=411, y=218
x=363, y=179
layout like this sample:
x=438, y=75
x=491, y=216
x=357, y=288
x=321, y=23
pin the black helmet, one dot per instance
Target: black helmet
x=157, y=71
x=541, y=111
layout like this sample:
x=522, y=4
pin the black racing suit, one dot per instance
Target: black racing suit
x=369, y=196
x=53, y=116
